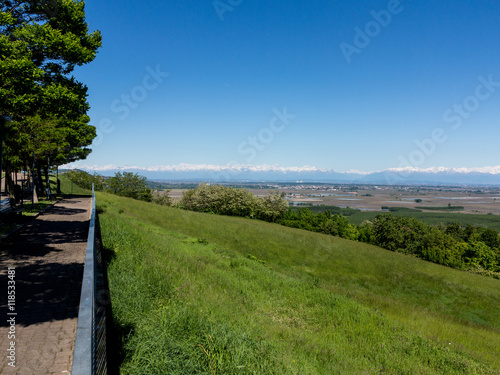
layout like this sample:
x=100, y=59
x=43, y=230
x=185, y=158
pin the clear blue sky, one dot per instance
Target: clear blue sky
x=362, y=82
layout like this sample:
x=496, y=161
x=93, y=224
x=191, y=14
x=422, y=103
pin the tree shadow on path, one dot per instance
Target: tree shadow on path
x=48, y=257
x=45, y=292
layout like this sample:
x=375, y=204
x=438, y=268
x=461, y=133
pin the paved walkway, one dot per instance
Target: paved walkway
x=48, y=256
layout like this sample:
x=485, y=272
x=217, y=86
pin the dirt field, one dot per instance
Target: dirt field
x=372, y=198
x=475, y=200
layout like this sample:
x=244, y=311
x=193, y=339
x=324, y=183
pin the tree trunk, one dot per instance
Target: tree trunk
x=47, y=182
x=34, y=195
x=39, y=182
x=9, y=185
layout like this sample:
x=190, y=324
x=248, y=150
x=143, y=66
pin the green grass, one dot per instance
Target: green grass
x=32, y=210
x=67, y=187
x=203, y=294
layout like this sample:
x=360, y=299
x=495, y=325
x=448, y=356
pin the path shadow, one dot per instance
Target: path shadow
x=64, y=211
x=39, y=238
x=45, y=292
x=47, y=255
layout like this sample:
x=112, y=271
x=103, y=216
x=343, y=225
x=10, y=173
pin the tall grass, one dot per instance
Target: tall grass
x=204, y=294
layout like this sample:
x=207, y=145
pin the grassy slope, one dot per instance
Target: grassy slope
x=67, y=187
x=323, y=304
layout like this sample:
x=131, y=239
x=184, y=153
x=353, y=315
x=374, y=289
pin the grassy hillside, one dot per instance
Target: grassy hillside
x=197, y=293
x=67, y=187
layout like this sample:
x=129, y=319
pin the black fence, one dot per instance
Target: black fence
x=89, y=356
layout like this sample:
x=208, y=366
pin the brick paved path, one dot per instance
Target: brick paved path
x=48, y=257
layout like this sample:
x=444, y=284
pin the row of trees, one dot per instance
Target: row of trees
x=467, y=248
x=126, y=184
x=43, y=108
x=470, y=247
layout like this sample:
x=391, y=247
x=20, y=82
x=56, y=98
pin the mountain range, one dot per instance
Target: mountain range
x=235, y=173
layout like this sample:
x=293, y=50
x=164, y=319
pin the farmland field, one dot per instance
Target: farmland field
x=432, y=204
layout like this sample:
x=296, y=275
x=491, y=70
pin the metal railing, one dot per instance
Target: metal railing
x=89, y=356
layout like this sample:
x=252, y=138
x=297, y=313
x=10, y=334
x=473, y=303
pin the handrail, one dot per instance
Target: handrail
x=89, y=355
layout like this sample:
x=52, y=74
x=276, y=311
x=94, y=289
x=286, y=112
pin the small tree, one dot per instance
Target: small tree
x=230, y=201
x=128, y=184
x=396, y=233
x=162, y=197
x=272, y=207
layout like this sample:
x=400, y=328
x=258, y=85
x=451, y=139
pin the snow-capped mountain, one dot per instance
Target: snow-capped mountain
x=239, y=172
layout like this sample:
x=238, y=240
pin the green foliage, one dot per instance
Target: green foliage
x=323, y=222
x=161, y=197
x=39, y=49
x=218, y=199
x=441, y=248
x=41, y=42
x=434, y=218
x=400, y=209
x=344, y=211
x=230, y=201
x=443, y=208
x=126, y=184
x=479, y=255
x=396, y=233
x=366, y=232
x=68, y=187
x=452, y=246
x=271, y=207
x=489, y=236
x=337, y=225
x=86, y=180
x=131, y=185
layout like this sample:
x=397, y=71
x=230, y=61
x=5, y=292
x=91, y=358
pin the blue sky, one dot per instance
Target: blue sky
x=364, y=85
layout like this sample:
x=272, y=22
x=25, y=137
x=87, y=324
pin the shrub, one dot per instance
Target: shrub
x=162, y=197
x=128, y=184
x=271, y=207
x=396, y=233
x=478, y=254
x=442, y=248
x=218, y=199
